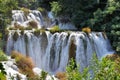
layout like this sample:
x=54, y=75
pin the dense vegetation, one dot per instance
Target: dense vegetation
x=99, y=15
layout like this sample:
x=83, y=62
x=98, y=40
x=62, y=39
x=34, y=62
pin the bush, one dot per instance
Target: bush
x=43, y=75
x=2, y=72
x=86, y=30
x=3, y=57
x=106, y=69
x=61, y=76
x=2, y=76
x=33, y=24
x=24, y=63
x=26, y=11
x=73, y=72
x=55, y=29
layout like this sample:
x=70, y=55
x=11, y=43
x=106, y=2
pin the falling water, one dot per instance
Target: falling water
x=21, y=19
x=51, y=52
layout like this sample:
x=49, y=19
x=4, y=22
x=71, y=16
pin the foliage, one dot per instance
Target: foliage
x=106, y=69
x=43, y=75
x=33, y=24
x=55, y=8
x=2, y=72
x=6, y=7
x=61, y=75
x=24, y=63
x=54, y=29
x=86, y=30
x=99, y=15
x=3, y=57
x=31, y=4
x=73, y=72
x=38, y=31
x=2, y=42
x=42, y=10
x=26, y=11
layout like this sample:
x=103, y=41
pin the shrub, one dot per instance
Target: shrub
x=55, y=29
x=18, y=26
x=26, y=11
x=24, y=63
x=2, y=72
x=43, y=75
x=2, y=76
x=86, y=30
x=55, y=7
x=3, y=57
x=33, y=24
x=61, y=76
x=106, y=69
x=73, y=72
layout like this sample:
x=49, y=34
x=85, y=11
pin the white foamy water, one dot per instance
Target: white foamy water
x=51, y=52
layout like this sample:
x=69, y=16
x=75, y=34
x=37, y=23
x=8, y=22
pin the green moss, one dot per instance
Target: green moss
x=2, y=76
x=38, y=31
x=55, y=29
x=12, y=28
x=28, y=28
x=3, y=57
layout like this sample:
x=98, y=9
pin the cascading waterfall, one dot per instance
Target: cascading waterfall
x=51, y=51
x=21, y=19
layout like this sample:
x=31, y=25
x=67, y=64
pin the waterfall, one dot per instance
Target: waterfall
x=52, y=51
x=38, y=20
x=21, y=19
